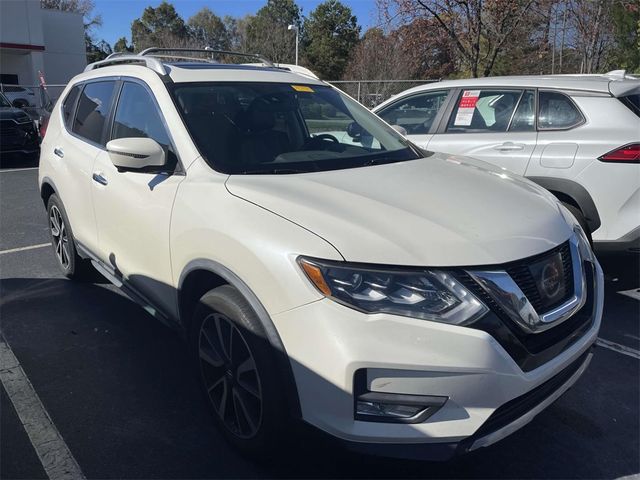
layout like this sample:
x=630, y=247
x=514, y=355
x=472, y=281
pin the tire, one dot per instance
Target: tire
x=63, y=242
x=576, y=212
x=243, y=390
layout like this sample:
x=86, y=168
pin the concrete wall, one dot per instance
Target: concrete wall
x=60, y=33
x=65, y=54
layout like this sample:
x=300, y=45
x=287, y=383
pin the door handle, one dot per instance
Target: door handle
x=509, y=147
x=97, y=177
x=58, y=152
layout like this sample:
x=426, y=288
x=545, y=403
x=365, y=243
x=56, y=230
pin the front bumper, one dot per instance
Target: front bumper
x=328, y=343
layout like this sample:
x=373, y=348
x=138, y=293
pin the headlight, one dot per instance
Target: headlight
x=427, y=294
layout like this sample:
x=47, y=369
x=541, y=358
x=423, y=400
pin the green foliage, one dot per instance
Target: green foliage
x=626, y=34
x=122, y=46
x=330, y=34
x=160, y=26
x=267, y=32
x=208, y=29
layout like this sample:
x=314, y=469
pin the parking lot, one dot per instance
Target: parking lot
x=116, y=386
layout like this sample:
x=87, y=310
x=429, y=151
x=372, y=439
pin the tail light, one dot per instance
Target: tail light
x=44, y=123
x=627, y=154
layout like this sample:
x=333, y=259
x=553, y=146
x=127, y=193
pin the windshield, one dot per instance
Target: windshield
x=3, y=101
x=270, y=128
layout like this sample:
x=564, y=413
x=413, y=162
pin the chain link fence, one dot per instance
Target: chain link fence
x=373, y=92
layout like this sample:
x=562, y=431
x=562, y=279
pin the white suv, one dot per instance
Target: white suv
x=576, y=135
x=320, y=266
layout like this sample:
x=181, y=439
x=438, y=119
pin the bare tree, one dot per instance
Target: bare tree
x=591, y=26
x=479, y=30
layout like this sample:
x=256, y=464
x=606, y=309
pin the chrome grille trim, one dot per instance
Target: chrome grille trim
x=507, y=294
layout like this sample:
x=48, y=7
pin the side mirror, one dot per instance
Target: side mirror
x=401, y=130
x=136, y=153
x=354, y=130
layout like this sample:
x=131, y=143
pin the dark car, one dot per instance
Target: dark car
x=18, y=133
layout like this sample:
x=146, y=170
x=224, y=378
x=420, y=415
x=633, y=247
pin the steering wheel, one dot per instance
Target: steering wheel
x=318, y=140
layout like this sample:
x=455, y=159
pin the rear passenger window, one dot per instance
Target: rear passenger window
x=557, y=112
x=415, y=113
x=93, y=109
x=479, y=111
x=524, y=120
x=137, y=116
x=69, y=104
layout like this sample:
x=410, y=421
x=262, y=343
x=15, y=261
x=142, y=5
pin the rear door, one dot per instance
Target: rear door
x=133, y=208
x=85, y=111
x=496, y=125
x=417, y=113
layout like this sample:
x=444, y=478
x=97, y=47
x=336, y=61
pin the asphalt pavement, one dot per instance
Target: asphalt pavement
x=116, y=386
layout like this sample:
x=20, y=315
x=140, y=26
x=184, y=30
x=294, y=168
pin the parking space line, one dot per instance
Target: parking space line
x=53, y=452
x=18, y=169
x=22, y=249
x=616, y=347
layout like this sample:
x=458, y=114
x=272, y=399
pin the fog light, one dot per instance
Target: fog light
x=396, y=408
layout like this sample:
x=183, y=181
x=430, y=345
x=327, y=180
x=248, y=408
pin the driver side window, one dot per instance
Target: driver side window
x=138, y=116
x=415, y=113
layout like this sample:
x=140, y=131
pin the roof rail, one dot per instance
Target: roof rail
x=157, y=52
x=152, y=63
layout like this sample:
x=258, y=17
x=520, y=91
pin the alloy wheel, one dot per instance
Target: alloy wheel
x=59, y=236
x=230, y=375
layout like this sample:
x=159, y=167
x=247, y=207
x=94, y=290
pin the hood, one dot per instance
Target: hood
x=10, y=113
x=438, y=211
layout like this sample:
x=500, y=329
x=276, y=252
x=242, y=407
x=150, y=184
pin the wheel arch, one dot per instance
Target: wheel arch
x=201, y=275
x=47, y=188
x=573, y=193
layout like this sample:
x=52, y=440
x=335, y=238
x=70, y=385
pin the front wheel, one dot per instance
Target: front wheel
x=236, y=366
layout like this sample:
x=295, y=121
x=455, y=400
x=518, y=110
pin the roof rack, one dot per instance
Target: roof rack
x=155, y=51
x=119, y=58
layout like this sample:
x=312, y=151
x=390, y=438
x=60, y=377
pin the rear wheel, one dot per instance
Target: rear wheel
x=237, y=373
x=71, y=264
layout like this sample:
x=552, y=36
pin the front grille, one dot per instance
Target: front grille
x=16, y=135
x=531, y=350
x=521, y=274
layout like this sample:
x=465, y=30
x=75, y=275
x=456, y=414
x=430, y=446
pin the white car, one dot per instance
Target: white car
x=406, y=303
x=20, y=97
x=576, y=135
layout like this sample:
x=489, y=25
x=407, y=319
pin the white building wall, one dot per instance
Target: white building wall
x=65, y=55
x=61, y=34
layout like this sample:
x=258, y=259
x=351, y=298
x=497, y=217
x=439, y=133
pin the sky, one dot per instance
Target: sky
x=117, y=15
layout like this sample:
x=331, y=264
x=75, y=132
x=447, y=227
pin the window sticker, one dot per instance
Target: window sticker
x=302, y=88
x=466, y=107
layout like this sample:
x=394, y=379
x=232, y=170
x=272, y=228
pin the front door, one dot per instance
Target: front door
x=493, y=125
x=133, y=208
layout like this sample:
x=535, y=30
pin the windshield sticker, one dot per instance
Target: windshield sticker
x=466, y=107
x=302, y=88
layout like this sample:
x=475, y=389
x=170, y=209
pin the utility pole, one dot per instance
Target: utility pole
x=297, y=30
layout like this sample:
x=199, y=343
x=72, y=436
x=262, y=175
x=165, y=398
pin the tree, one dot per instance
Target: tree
x=208, y=29
x=122, y=46
x=159, y=27
x=330, y=34
x=480, y=30
x=267, y=32
x=98, y=51
x=626, y=34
